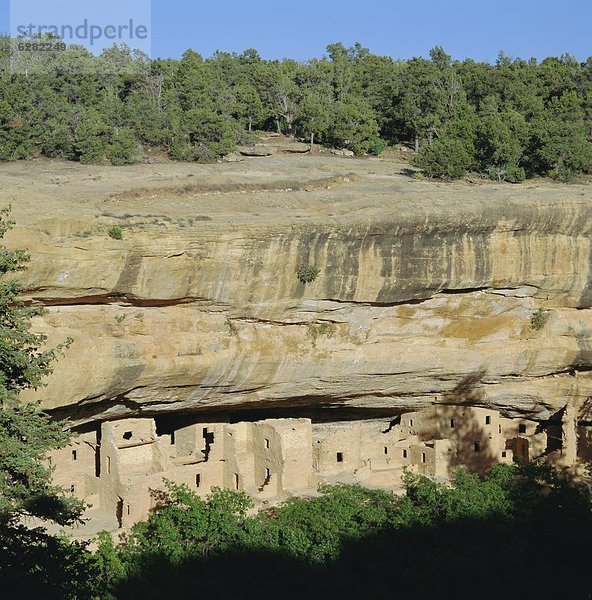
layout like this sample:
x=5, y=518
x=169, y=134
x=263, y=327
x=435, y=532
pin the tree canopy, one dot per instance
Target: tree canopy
x=509, y=120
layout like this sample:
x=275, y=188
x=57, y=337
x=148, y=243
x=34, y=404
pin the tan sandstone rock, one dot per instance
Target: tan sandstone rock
x=425, y=292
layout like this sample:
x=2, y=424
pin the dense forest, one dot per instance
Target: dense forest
x=509, y=120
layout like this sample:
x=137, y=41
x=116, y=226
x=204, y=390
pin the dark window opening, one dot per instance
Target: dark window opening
x=423, y=457
x=128, y=509
x=487, y=420
x=522, y=428
x=504, y=454
x=236, y=481
x=499, y=428
x=385, y=450
x=74, y=455
x=119, y=512
x=340, y=457
x=477, y=446
x=108, y=464
x=208, y=437
x=410, y=422
x=198, y=480
x=404, y=453
x=266, y=443
x=452, y=423
x=127, y=435
x=172, y=437
x=267, y=474
x=73, y=488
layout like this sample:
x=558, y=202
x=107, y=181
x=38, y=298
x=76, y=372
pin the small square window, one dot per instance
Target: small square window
x=522, y=428
x=127, y=435
x=74, y=455
x=487, y=420
x=504, y=454
x=340, y=457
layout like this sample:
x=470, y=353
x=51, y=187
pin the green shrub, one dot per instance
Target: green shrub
x=325, y=329
x=232, y=328
x=377, y=146
x=539, y=319
x=115, y=233
x=307, y=273
x=509, y=173
x=122, y=147
x=446, y=158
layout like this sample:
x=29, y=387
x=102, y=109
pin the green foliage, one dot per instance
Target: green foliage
x=539, y=319
x=327, y=542
x=307, y=273
x=204, y=136
x=91, y=140
x=26, y=433
x=35, y=563
x=354, y=126
x=509, y=173
x=445, y=158
x=510, y=120
x=122, y=147
x=189, y=526
x=115, y=233
x=315, y=330
x=232, y=328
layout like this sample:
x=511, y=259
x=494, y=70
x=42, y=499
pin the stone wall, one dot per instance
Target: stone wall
x=120, y=469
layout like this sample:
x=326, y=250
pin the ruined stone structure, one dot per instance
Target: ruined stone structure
x=119, y=469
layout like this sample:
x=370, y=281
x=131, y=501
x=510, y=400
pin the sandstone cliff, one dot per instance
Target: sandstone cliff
x=425, y=294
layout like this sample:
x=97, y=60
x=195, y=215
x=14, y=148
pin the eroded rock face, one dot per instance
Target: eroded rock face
x=425, y=294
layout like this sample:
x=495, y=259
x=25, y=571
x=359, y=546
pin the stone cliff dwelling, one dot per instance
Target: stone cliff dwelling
x=119, y=468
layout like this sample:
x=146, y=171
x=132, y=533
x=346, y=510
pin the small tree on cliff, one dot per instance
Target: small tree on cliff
x=26, y=432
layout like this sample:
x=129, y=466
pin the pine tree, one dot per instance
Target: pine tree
x=26, y=432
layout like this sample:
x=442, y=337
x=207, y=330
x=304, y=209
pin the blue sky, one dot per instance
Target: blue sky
x=301, y=29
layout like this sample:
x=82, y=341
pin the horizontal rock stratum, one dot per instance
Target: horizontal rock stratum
x=426, y=291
